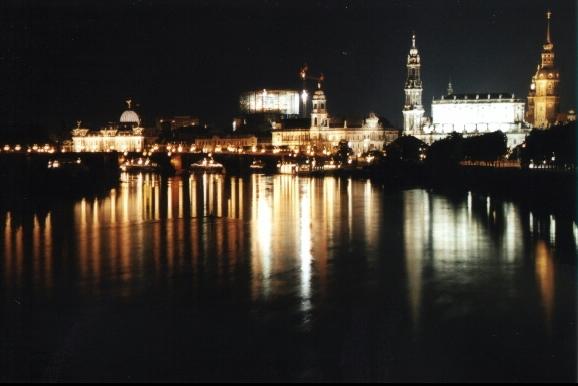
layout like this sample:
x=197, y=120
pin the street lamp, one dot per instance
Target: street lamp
x=304, y=97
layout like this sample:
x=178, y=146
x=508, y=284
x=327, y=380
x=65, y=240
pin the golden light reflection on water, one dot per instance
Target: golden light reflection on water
x=285, y=229
x=546, y=278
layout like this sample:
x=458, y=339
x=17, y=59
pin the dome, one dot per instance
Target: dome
x=129, y=116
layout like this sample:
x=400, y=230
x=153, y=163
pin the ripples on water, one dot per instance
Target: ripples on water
x=213, y=277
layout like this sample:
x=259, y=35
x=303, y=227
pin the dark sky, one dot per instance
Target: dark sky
x=81, y=59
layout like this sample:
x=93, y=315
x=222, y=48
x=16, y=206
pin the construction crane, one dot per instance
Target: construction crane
x=305, y=77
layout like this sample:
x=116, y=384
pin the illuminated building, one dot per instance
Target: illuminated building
x=126, y=135
x=233, y=142
x=475, y=114
x=467, y=114
x=323, y=132
x=260, y=110
x=413, y=110
x=543, y=98
x=284, y=102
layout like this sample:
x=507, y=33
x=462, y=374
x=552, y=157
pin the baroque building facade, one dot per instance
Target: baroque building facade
x=124, y=135
x=323, y=132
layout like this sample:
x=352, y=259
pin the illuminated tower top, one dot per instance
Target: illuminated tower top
x=450, y=88
x=548, y=47
x=319, y=116
x=413, y=110
x=413, y=66
x=543, y=97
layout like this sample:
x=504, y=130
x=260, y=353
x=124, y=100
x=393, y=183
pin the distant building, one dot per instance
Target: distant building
x=232, y=142
x=323, y=132
x=543, y=98
x=177, y=122
x=260, y=110
x=284, y=102
x=124, y=135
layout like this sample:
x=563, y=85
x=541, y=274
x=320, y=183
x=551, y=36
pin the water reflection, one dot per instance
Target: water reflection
x=304, y=242
x=545, y=275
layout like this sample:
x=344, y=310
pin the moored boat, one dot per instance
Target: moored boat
x=207, y=165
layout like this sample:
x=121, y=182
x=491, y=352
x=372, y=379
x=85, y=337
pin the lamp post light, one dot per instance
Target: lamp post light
x=304, y=97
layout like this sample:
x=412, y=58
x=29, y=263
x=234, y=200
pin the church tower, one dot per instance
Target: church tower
x=543, y=98
x=319, y=118
x=413, y=109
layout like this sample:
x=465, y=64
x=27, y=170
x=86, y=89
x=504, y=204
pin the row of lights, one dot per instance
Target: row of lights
x=36, y=149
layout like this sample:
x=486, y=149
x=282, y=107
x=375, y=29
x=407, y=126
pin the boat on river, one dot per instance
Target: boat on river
x=139, y=166
x=207, y=165
x=257, y=166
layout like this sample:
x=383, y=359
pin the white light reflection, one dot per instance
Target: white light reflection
x=469, y=205
x=416, y=239
x=305, y=245
x=262, y=227
x=552, y=229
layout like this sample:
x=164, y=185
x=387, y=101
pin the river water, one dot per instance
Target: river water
x=214, y=277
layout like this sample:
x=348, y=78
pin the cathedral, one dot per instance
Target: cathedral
x=543, y=98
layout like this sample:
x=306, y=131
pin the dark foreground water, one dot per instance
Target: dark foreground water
x=284, y=278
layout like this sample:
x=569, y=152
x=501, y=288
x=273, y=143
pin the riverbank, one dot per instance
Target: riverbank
x=56, y=174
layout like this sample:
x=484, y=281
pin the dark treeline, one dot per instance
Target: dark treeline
x=554, y=148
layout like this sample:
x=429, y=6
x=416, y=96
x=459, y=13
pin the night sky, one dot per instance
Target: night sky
x=80, y=60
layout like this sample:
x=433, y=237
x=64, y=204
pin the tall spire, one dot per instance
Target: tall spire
x=450, y=88
x=413, y=109
x=548, y=15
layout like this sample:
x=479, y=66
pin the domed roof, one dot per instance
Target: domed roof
x=129, y=116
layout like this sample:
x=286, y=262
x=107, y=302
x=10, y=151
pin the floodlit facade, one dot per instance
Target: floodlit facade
x=476, y=113
x=84, y=140
x=285, y=102
x=221, y=143
x=127, y=136
x=324, y=133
